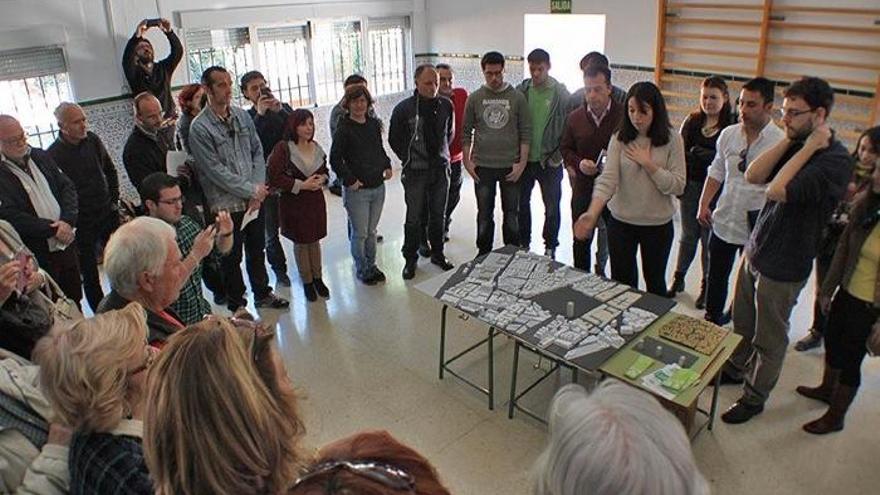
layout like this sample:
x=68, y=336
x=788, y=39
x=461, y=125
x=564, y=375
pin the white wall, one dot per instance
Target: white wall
x=469, y=26
x=94, y=32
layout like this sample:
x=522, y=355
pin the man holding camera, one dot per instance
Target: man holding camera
x=270, y=117
x=145, y=74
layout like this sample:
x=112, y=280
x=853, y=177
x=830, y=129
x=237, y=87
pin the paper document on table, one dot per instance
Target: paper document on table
x=249, y=217
x=174, y=160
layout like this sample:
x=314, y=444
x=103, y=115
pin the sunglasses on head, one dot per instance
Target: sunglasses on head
x=743, y=160
x=385, y=474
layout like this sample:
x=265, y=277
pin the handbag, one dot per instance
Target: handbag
x=61, y=307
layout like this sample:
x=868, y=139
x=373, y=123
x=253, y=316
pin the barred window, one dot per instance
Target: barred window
x=387, y=40
x=228, y=48
x=33, y=81
x=284, y=53
x=337, y=53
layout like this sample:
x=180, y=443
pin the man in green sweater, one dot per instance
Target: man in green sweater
x=495, y=140
x=549, y=107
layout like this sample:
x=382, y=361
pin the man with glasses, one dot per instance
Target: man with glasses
x=495, y=139
x=163, y=199
x=41, y=203
x=232, y=171
x=806, y=174
x=739, y=201
x=81, y=155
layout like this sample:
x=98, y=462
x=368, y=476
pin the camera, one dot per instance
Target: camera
x=265, y=91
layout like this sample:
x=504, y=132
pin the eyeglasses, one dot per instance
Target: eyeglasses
x=173, y=201
x=792, y=113
x=389, y=476
x=743, y=160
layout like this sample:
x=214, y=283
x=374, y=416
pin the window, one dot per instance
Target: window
x=33, y=81
x=229, y=48
x=387, y=41
x=284, y=52
x=336, y=49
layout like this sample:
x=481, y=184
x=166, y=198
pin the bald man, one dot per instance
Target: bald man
x=147, y=146
x=83, y=158
x=40, y=201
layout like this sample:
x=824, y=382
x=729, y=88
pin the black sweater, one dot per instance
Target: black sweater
x=270, y=126
x=144, y=155
x=91, y=169
x=357, y=152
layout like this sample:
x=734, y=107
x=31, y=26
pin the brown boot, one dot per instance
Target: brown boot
x=832, y=420
x=824, y=390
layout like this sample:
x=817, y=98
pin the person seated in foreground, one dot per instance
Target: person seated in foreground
x=144, y=265
x=222, y=413
x=93, y=372
x=616, y=440
x=33, y=449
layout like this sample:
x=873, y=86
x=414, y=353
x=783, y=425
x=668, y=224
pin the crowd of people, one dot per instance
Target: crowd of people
x=155, y=394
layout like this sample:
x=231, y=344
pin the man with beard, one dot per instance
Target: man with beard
x=145, y=74
x=495, y=139
x=806, y=175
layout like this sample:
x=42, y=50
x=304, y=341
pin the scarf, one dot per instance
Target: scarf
x=37, y=188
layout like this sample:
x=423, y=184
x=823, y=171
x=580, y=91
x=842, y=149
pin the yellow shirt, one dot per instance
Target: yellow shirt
x=864, y=278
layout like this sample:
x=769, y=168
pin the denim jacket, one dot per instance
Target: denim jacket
x=229, y=163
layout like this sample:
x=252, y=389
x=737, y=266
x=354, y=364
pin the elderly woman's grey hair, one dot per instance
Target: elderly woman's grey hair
x=138, y=246
x=616, y=440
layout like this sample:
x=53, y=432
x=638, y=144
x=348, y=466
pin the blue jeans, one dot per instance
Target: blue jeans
x=364, y=207
x=550, y=180
x=485, y=192
x=692, y=232
x=274, y=249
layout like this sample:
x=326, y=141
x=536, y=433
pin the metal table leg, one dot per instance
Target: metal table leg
x=512, y=402
x=491, y=342
x=714, y=407
x=443, y=339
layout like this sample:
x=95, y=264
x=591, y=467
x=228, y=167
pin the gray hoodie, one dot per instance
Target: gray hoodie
x=497, y=123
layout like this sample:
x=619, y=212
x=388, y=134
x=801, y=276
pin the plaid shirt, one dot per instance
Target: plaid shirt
x=191, y=305
x=109, y=463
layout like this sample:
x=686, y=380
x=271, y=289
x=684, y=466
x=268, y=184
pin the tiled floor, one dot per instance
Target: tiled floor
x=367, y=359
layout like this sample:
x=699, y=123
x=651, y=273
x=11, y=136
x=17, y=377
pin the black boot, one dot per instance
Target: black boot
x=832, y=420
x=823, y=392
x=677, y=285
x=321, y=289
x=311, y=293
x=700, y=303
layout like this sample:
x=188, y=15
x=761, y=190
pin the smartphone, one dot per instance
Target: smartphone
x=24, y=260
x=600, y=160
x=153, y=22
x=265, y=91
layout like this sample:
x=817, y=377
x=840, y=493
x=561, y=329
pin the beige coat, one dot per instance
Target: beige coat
x=23, y=468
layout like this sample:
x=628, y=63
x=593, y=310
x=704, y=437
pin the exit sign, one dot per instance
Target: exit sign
x=560, y=6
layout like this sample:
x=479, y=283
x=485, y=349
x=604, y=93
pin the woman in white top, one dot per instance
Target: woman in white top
x=644, y=170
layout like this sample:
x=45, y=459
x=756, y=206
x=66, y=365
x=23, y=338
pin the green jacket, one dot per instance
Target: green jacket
x=559, y=110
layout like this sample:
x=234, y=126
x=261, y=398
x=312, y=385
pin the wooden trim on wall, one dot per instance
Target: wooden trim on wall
x=661, y=40
x=762, y=43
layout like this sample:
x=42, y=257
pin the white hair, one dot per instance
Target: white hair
x=617, y=440
x=63, y=107
x=138, y=246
